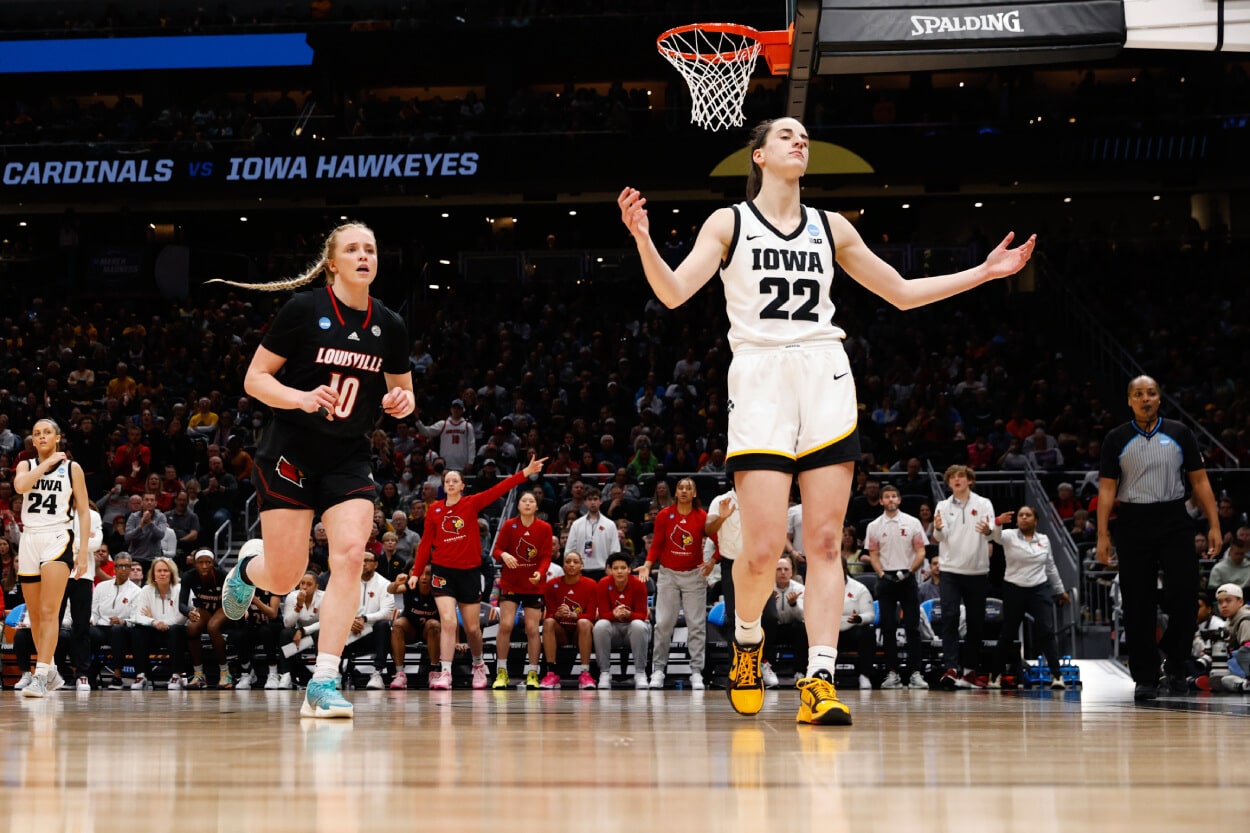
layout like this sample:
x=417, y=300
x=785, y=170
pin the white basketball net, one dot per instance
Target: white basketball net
x=717, y=67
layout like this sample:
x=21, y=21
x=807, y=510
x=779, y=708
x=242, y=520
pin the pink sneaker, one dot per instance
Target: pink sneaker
x=440, y=681
x=585, y=681
x=479, y=676
x=552, y=680
x=400, y=682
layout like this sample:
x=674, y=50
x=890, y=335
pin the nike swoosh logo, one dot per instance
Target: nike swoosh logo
x=753, y=236
x=838, y=376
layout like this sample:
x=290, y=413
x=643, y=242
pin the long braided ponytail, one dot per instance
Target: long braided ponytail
x=308, y=275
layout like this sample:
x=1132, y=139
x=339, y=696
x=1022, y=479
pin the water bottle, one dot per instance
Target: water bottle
x=681, y=685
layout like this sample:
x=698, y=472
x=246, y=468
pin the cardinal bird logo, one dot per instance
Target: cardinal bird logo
x=530, y=554
x=681, y=538
x=453, y=524
x=290, y=472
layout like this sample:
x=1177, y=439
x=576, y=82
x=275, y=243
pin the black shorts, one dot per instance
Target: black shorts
x=298, y=471
x=532, y=601
x=418, y=622
x=465, y=586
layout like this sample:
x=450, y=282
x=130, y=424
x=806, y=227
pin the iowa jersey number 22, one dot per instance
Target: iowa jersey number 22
x=806, y=288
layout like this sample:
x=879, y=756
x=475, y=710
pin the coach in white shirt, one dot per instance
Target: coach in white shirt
x=722, y=521
x=112, y=606
x=896, y=543
x=1031, y=585
x=372, y=625
x=964, y=558
x=856, y=631
x=593, y=536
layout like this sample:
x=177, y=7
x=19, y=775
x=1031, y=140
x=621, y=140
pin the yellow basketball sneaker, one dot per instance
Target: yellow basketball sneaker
x=819, y=704
x=746, y=683
x=501, y=679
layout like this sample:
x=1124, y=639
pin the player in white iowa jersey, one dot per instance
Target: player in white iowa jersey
x=792, y=406
x=51, y=549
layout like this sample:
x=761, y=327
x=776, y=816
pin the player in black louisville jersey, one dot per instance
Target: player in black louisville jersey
x=329, y=356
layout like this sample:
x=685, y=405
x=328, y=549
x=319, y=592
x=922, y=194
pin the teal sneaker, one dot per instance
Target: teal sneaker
x=322, y=699
x=236, y=594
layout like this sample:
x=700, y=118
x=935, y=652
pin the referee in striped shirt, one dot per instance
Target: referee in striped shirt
x=1149, y=464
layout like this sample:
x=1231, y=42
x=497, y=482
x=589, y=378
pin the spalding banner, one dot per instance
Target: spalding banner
x=861, y=36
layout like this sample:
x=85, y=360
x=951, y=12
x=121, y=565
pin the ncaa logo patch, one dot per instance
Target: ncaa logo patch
x=376, y=330
x=323, y=323
x=812, y=230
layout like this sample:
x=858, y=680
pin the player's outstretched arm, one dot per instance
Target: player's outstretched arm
x=881, y=278
x=675, y=286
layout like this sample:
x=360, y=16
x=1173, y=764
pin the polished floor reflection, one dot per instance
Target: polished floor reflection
x=620, y=761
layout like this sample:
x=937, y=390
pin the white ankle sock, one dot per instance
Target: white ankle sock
x=748, y=632
x=327, y=667
x=822, y=658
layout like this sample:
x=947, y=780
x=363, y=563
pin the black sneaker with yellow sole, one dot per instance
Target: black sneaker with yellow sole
x=746, y=682
x=819, y=704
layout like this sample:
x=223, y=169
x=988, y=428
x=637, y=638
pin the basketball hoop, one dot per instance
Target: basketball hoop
x=717, y=60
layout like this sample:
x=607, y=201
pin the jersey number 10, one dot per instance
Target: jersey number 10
x=347, y=388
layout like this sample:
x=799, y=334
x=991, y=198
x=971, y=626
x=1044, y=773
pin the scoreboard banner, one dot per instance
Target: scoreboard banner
x=42, y=171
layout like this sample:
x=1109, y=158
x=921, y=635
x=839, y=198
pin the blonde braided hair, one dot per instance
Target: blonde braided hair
x=308, y=275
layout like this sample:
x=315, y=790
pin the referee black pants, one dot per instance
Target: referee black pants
x=1152, y=540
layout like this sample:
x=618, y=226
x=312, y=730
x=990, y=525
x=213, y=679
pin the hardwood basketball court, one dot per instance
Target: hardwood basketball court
x=243, y=761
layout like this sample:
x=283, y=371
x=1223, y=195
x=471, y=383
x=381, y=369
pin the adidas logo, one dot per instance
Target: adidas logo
x=353, y=337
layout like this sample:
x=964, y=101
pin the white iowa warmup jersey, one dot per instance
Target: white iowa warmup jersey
x=777, y=286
